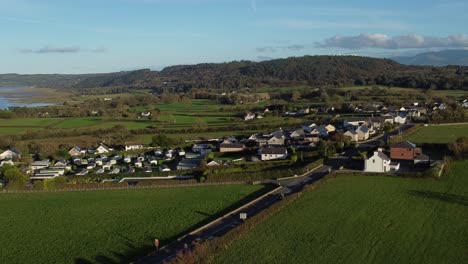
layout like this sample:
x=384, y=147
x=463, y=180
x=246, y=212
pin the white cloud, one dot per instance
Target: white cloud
x=383, y=41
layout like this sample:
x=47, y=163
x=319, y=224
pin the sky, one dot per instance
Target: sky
x=89, y=36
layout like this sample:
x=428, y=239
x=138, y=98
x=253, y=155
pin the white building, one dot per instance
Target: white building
x=102, y=149
x=379, y=162
x=273, y=153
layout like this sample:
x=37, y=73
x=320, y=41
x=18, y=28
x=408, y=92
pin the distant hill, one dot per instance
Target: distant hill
x=323, y=71
x=439, y=58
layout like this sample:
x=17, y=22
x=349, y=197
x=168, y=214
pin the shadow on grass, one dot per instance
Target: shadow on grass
x=444, y=197
x=135, y=250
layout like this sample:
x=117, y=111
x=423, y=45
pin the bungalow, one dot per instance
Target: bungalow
x=10, y=154
x=189, y=164
x=42, y=164
x=103, y=149
x=379, y=162
x=75, y=151
x=330, y=128
x=404, y=151
x=280, y=153
x=231, y=147
x=352, y=135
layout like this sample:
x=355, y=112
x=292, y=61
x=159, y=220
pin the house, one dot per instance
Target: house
x=363, y=133
x=311, y=138
x=352, y=135
x=400, y=118
x=379, y=162
x=145, y=114
x=404, y=151
x=10, y=154
x=7, y=162
x=278, y=153
x=298, y=133
x=164, y=168
x=213, y=164
x=103, y=149
x=203, y=149
x=42, y=164
x=276, y=141
x=75, y=151
x=189, y=164
x=231, y=147
x=133, y=146
x=61, y=163
x=330, y=128
x=422, y=159
x=249, y=116
x=309, y=127
x=465, y=103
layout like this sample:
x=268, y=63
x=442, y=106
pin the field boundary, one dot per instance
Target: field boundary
x=126, y=188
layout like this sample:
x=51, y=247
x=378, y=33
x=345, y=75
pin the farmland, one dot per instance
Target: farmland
x=366, y=219
x=438, y=133
x=104, y=226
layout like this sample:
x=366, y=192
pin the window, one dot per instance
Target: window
x=373, y=161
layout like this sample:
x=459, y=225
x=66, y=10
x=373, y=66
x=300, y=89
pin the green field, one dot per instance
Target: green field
x=29, y=122
x=104, y=226
x=366, y=219
x=438, y=133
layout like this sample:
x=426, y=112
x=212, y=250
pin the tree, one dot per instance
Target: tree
x=161, y=140
x=13, y=176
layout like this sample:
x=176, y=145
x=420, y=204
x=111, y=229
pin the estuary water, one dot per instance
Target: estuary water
x=11, y=97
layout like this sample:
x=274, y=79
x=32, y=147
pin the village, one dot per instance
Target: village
x=177, y=162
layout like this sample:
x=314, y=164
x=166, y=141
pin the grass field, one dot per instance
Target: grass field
x=366, y=219
x=438, y=133
x=29, y=122
x=104, y=226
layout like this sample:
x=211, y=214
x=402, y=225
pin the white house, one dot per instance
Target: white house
x=363, y=133
x=400, y=118
x=379, y=162
x=102, y=149
x=352, y=135
x=10, y=154
x=273, y=153
x=42, y=164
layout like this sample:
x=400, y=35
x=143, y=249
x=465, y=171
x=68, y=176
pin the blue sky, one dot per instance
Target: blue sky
x=65, y=36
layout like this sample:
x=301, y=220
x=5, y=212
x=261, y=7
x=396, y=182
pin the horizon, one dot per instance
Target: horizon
x=63, y=37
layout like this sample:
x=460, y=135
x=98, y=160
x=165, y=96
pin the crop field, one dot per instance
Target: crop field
x=438, y=133
x=366, y=219
x=29, y=122
x=104, y=226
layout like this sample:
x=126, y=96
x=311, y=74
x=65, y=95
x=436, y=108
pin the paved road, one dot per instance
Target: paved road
x=230, y=222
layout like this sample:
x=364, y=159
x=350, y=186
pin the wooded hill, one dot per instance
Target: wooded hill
x=331, y=71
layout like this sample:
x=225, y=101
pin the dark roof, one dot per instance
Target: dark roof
x=382, y=155
x=233, y=145
x=422, y=157
x=274, y=151
x=404, y=144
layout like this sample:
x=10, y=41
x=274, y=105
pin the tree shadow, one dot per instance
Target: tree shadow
x=444, y=197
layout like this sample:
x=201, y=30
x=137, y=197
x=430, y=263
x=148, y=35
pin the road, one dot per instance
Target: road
x=230, y=222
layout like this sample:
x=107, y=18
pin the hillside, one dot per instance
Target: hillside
x=331, y=71
x=440, y=58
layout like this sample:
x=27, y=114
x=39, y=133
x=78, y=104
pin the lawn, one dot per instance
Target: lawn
x=29, y=122
x=104, y=226
x=438, y=133
x=366, y=219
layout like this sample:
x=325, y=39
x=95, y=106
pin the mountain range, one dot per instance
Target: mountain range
x=438, y=58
